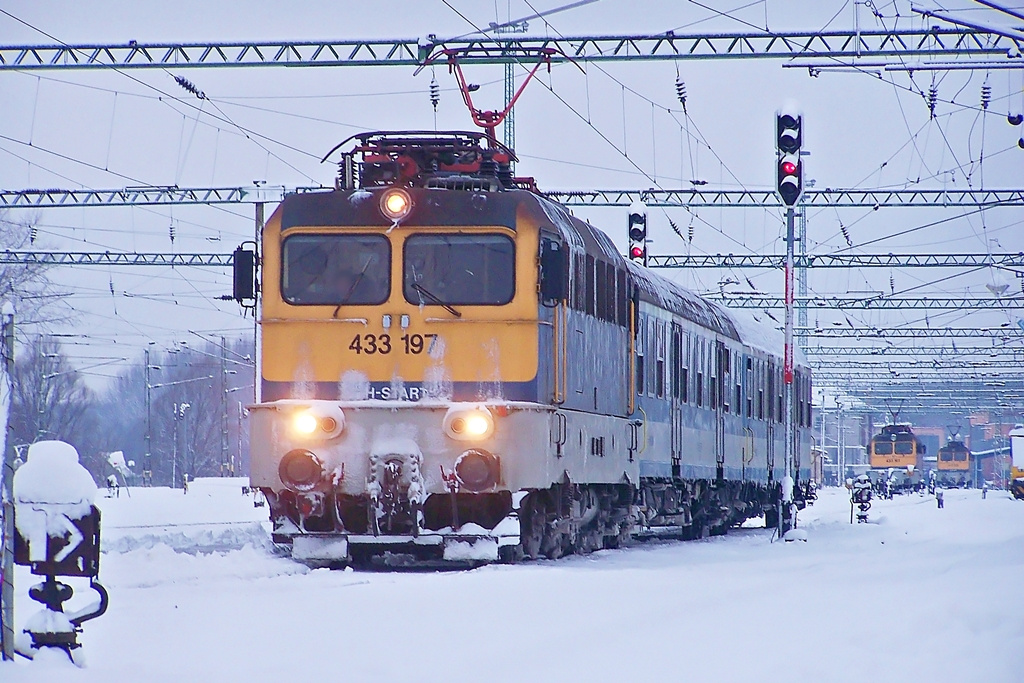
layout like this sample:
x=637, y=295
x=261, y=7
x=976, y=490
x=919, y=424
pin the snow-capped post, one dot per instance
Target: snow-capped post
x=6, y=475
x=860, y=494
x=57, y=533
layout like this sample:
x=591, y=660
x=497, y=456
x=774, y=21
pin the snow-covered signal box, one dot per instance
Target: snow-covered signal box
x=57, y=527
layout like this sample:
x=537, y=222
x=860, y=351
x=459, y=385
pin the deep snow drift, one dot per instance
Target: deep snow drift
x=917, y=594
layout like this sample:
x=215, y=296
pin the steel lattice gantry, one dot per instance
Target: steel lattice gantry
x=874, y=302
x=900, y=353
x=109, y=258
x=875, y=333
x=769, y=199
x=947, y=43
x=765, y=199
x=1005, y=260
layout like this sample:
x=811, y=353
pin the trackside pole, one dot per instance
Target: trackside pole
x=7, y=466
x=786, y=504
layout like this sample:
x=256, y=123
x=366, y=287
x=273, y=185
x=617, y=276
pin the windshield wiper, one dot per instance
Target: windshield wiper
x=351, y=288
x=435, y=298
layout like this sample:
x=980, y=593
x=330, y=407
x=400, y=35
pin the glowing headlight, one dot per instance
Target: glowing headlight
x=395, y=204
x=477, y=425
x=305, y=423
x=469, y=423
x=321, y=420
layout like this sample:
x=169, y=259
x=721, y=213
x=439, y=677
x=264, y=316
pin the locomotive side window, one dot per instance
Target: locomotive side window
x=589, y=295
x=698, y=361
x=459, y=269
x=659, y=369
x=675, y=362
x=578, y=288
x=622, y=299
x=652, y=345
x=640, y=351
x=749, y=386
x=336, y=269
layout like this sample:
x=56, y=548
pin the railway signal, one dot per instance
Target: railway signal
x=638, y=233
x=788, y=140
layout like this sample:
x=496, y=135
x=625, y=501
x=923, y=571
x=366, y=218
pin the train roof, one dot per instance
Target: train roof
x=741, y=326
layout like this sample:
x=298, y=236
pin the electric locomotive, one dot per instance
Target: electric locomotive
x=954, y=465
x=896, y=455
x=454, y=368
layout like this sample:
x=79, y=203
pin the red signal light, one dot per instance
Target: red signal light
x=788, y=167
x=636, y=252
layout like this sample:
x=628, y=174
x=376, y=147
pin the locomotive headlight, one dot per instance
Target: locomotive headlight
x=468, y=423
x=305, y=423
x=395, y=204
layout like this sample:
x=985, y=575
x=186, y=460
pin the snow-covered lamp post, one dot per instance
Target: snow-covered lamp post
x=57, y=533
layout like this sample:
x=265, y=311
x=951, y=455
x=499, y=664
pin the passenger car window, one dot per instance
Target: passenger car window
x=336, y=269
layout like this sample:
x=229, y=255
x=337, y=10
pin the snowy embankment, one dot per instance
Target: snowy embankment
x=918, y=594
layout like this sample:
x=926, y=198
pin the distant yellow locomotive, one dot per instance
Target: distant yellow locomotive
x=954, y=465
x=896, y=454
x=454, y=368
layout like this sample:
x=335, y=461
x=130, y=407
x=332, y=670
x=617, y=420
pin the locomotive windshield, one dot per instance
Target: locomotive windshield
x=459, y=269
x=883, y=447
x=904, y=447
x=336, y=269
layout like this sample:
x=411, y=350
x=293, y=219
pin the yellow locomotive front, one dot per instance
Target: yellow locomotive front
x=399, y=341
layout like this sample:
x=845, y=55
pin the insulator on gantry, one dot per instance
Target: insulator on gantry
x=170, y=231
x=933, y=98
x=435, y=93
x=986, y=95
x=681, y=91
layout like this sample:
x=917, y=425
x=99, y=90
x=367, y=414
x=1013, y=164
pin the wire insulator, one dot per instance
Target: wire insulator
x=435, y=93
x=933, y=98
x=689, y=233
x=170, y=232
x=675, y=228
x=846, y=235
x=681, y=91
x=33, y=232
x=986, y=95
x=190, y=87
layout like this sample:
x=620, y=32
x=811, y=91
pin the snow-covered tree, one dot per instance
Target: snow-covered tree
x=50, y=399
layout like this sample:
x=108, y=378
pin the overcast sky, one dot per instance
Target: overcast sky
x=613, y=125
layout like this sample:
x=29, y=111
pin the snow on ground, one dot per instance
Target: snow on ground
x=917, y=594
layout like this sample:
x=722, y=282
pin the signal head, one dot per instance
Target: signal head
x=788, y=138
x=790, y=179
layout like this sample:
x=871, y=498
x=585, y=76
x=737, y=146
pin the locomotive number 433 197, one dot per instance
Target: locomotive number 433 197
x=410, y=344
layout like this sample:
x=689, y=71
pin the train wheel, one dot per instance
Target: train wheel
x=532, y=524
